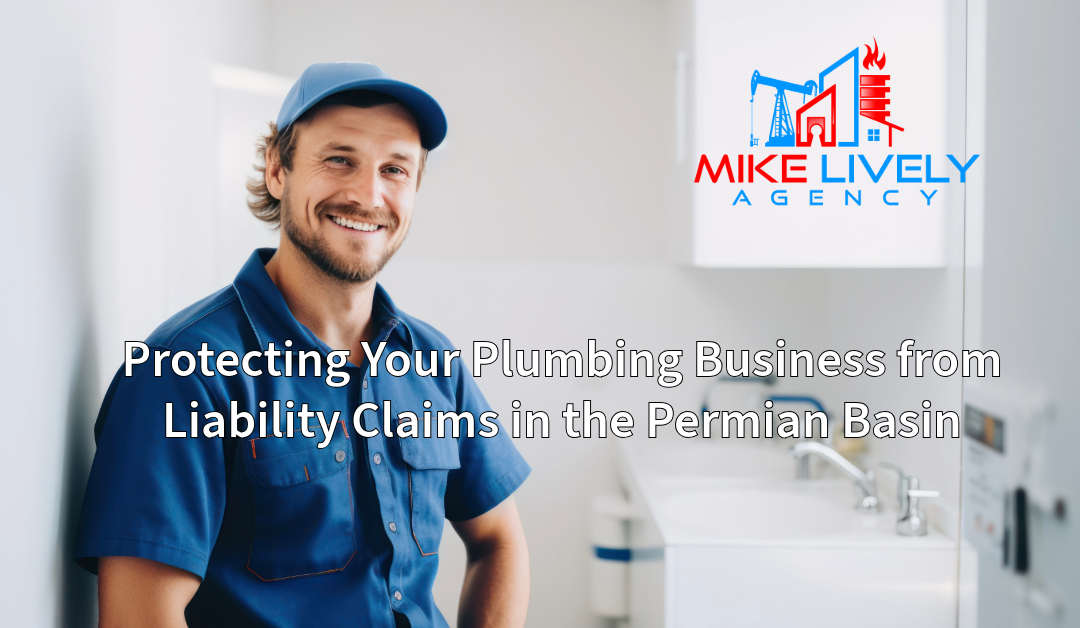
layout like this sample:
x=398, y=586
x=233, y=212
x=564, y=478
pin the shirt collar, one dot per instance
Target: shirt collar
x=272, y=321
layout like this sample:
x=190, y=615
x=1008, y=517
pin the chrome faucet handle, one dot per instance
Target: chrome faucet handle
x=910, y=519
x=916, y=493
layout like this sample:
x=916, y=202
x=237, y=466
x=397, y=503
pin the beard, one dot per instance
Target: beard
x=356, y=268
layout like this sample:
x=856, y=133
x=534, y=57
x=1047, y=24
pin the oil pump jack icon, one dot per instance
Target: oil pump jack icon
x=816, y=122
x=781, y=132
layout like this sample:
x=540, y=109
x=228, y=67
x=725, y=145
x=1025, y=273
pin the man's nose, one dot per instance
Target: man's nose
x=366, y=189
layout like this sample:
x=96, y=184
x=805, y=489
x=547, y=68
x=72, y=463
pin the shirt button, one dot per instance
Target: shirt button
x=340, y=456
x=393, y=527
x=365, y=383
x=397, y=595
x=377, y=459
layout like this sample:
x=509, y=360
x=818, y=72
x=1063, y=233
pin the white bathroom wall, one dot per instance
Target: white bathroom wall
x=154, y=230
x=46, y=180
x=559, y=118
x=108, y=173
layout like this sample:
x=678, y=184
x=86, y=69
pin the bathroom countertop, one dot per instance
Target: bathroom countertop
x=744, y=494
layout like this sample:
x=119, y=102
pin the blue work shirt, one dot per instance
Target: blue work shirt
x=284, y=533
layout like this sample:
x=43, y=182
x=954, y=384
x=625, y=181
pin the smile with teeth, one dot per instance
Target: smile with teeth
x=355, y=224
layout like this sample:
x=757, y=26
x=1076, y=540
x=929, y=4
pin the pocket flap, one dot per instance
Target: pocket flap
x=430, y=453
x=297, y=468
x=281, y=462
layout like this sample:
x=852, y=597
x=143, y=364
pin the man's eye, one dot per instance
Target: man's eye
x=339, y=160
x=394, y=170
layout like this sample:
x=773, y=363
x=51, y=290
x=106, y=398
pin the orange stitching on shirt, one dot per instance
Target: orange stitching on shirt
x=253, y=448
x=411, y=527
x=302, y=575
x=306, y=473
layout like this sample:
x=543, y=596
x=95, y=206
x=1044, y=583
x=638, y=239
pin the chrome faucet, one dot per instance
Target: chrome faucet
x=865, y=487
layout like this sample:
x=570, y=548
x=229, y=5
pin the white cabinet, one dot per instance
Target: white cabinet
x=827, y=127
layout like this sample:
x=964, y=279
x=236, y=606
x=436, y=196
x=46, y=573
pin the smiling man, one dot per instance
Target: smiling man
x=269, y=529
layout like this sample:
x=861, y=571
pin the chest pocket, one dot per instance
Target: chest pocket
x=429, y=461
x=303, y=505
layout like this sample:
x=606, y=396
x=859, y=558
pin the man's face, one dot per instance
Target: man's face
x=347, y=202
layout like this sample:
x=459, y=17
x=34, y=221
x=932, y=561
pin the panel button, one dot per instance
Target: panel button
x=397, y=595
x=393, y=527
x=340, y=456
x=377, y=458
x=365, y=382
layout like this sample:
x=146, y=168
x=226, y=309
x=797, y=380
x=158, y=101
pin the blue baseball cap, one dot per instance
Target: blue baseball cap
x=323, y=79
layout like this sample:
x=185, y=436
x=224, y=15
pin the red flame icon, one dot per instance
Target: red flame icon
x=872, y=57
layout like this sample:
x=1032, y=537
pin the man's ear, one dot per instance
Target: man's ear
x=274, y=176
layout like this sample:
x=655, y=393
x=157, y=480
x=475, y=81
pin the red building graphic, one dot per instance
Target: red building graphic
x=874, y=91
x=817, y=118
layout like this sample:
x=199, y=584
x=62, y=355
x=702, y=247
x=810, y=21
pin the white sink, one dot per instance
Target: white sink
x=771, y=513
x=723, y=549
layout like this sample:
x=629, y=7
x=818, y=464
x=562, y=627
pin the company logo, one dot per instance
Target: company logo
x=817, y=122
x=848, y=105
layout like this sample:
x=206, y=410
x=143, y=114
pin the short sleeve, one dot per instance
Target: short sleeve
x=491, y=467
x=150, y=496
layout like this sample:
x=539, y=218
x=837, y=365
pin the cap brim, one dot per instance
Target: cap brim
x=429, y=115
